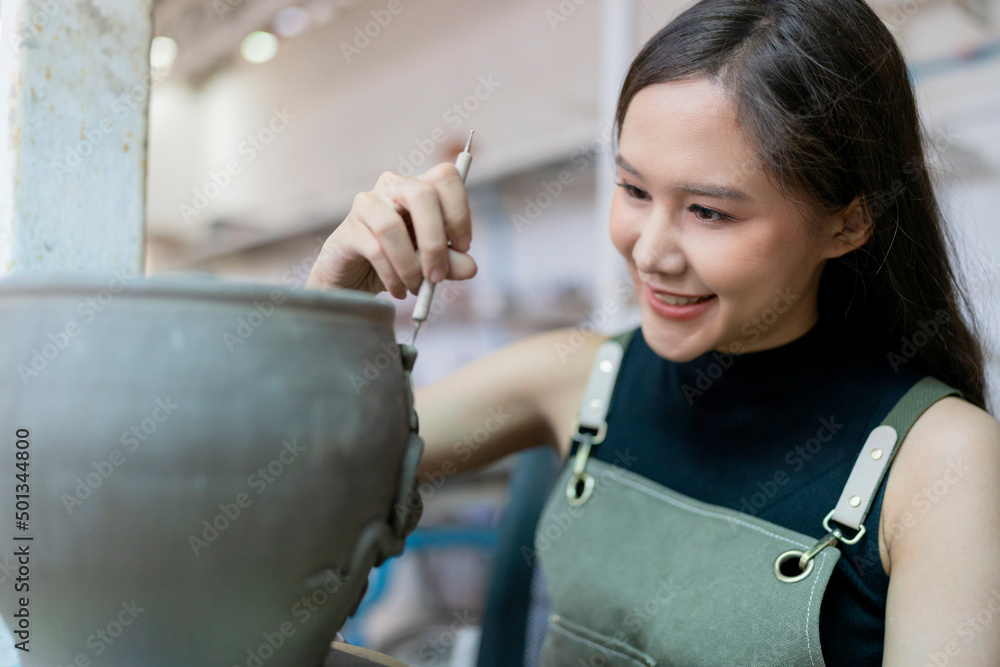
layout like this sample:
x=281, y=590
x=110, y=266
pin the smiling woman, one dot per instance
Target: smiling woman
x=756, y=142
x=801, y=321
x=752, y=131
x=700, y=231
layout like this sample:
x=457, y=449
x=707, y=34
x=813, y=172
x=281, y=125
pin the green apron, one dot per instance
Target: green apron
x=640, y=575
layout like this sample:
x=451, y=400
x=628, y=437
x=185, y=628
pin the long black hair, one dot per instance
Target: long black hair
x=821, y=88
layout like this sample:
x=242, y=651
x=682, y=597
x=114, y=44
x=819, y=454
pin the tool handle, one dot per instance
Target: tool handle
x=424, y=298
x=462, y=163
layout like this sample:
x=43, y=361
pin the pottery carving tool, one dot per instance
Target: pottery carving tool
x=426, y=293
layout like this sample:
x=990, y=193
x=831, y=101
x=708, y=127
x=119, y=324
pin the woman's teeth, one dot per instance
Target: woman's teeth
x=680, y=301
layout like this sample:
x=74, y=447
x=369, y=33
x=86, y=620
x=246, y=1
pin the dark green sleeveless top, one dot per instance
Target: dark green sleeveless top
x=772, y=433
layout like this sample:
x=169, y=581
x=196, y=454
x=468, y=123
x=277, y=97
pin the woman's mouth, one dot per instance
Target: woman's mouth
x=678, y=308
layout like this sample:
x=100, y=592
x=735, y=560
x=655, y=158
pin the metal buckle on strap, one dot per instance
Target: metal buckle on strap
x=581, y=483
x=840, y=536
x=828, y=540
x=595, y=438
x=833, y=535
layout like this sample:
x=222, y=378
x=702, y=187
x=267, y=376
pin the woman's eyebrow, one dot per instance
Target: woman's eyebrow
x=623, y=163
x=716, y=191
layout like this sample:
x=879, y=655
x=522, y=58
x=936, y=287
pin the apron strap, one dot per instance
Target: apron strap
x=591, y=422
x=880, y=449
x=869, y=469
x=601, y=384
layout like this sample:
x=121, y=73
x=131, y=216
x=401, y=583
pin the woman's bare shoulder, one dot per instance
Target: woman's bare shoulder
x=531, y=387
x=952, y=442
x=562, y=360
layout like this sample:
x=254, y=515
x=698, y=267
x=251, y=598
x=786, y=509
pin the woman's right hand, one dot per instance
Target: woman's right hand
x=398, y=233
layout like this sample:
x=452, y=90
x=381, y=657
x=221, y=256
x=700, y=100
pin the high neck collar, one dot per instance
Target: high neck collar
x=763, y=374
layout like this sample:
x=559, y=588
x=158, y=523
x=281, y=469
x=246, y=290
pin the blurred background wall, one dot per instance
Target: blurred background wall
x=252, y=165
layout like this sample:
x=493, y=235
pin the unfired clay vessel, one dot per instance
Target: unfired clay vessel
x=213, y=467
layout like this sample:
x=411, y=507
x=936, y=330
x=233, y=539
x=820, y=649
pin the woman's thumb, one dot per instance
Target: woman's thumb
x=461, y=266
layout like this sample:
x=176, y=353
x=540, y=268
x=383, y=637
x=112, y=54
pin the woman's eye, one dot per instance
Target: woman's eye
x=632, y=190
x=707, y=214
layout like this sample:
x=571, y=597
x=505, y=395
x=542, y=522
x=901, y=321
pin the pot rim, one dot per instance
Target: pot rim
x=197, y=285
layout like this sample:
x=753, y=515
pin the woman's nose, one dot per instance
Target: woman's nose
x=658, y=250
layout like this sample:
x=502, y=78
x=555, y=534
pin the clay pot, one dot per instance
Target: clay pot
x=213, y=467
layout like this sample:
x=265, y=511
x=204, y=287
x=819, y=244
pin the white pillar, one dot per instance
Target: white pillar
x=74, y=76
x=617, y=43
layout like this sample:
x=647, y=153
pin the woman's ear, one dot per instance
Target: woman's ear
x=849, y=229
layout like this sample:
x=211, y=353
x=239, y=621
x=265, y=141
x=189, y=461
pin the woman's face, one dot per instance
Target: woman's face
x=694, y=214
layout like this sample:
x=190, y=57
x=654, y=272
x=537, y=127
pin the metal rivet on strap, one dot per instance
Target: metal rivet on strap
x=596, y=403
x=855, y=501
x=876, y=454
x=606, y=366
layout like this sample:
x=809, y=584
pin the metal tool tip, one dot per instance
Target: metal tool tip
x=416, y=329
x=468, y=144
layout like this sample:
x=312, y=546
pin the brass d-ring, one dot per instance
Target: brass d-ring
x=788, y=555
x=576, y=495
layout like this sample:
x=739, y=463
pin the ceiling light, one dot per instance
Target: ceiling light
x=291, y=21
x=162, y=52
x=259, y=46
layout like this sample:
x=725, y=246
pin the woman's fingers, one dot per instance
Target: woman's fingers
x=454, y=203
x=394, y=247
x=402, y=230
x=420, y=199
x=385, y=278
x=380, y=216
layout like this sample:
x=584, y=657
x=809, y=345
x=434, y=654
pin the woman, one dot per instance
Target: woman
x=778, y=222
